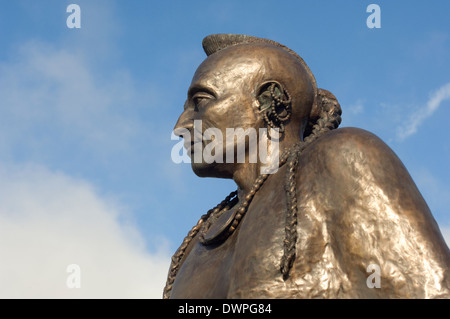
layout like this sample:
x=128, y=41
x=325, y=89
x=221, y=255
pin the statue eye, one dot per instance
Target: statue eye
x=200, y=98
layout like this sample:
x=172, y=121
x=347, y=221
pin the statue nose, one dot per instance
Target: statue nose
x=185, y=122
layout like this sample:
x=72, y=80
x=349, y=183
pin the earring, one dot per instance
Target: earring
x=275, y=105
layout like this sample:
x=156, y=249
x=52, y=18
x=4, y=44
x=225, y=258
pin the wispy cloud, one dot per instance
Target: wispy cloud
x=49, y=220
x=55, y=92
x=417, y=118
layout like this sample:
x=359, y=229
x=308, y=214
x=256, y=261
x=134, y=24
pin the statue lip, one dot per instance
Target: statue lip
x=188, y=146
x=196, y=136
x=191, y=148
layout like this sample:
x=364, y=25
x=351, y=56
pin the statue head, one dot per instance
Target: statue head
x=249, y=83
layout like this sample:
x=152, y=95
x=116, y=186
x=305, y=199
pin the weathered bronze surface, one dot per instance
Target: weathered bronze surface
x=341, y=200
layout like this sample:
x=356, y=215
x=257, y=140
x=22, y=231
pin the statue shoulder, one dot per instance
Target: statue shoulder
x=349, y=168
x=351, y=150
x=347, y=141
x=355, y=192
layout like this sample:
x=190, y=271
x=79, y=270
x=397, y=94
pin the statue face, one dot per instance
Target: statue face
x=221, y=96
x=224, y=96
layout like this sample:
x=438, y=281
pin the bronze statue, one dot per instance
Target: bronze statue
x=340, y=202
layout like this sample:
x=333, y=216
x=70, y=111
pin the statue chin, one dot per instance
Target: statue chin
x=204, y=169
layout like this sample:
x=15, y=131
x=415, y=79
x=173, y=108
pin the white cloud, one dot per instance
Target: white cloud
x=60, y=99
x=416, y=119
x=56, y=92
x=49, y=220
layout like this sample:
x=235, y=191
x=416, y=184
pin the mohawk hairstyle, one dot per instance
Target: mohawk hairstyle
x=216, y=42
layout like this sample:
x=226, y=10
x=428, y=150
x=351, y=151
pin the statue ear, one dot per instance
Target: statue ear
x=264, y=96
x=274, y=104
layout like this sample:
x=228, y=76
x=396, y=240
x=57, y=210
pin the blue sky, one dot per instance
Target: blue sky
x=86, y=117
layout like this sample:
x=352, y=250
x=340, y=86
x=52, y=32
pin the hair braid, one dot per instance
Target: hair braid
x=290, y=227
x=329, y=119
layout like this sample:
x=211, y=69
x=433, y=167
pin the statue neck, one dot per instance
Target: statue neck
x=245, y=174
x=245, y=177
